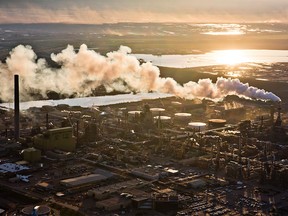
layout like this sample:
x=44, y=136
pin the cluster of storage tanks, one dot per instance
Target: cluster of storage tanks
x=181, y=118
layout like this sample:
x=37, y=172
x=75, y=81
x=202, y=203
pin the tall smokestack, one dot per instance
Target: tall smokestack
x=47, y=121
x=278, y=122
x=16, y=108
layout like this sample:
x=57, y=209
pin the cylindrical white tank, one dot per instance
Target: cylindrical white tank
x=176, y=103
x=134, y=114
x=86, y=117
x=163, y=118
x=157, y=111
x=36, y=210
x=122, y=111
x=216, y=123
x=197, y=126
x=182, y=117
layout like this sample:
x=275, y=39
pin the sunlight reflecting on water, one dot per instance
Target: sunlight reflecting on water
x=223, y=29
x=263, y=65
x=231, y=57
x=225, y=33
x=217, y=57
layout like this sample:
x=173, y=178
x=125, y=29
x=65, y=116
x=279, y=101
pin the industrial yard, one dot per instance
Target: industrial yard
x=165, y=156
x=152, y=108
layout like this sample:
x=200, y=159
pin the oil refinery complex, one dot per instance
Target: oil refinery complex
x=166, y=156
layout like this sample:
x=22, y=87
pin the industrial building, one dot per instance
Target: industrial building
x=83, y=180
x=59, y=138
x=114, y=203
x=197, y=183
x=148, y=173
x=12, y=168
x=106, y=191
x=180, y=157
x=31, y=155
x=165, y=202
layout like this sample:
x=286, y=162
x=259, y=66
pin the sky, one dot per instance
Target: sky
x=114, y=11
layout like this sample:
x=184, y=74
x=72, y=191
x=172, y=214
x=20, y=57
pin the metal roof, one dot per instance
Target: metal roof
x=88, y=179
x=11, y=167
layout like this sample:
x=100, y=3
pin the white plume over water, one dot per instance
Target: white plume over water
x=82, y=71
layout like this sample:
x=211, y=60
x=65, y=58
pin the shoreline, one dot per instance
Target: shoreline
x=90, y=101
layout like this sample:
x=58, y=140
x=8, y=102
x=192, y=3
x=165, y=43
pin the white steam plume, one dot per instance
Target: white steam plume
x=83, y=71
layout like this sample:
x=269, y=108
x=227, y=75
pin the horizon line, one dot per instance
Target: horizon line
x=123, y=22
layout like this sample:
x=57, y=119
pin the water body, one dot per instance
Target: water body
x=217, y=57
x=90, y=101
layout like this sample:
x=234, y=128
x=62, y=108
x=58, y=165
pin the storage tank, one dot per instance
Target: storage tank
x=157, y=111
x=176, y=103
x=197, y=126
x=163, y=118
x=36, y=210
x=86, y=117
x=176, y=106
x=135, y=114
x=217, y=123
x=182, y=117
x=122, y=111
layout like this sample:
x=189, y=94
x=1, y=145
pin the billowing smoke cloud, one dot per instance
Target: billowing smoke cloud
x=83, y=71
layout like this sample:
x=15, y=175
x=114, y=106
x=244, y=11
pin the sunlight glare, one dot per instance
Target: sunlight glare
x=231, y=57
x=234, y=32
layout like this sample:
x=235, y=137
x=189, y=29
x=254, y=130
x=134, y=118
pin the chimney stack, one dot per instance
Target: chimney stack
x=278, y=122
x=16, y=108
x=47, y=121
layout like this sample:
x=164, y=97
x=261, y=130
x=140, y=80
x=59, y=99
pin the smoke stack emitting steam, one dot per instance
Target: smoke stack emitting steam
x=83, y=71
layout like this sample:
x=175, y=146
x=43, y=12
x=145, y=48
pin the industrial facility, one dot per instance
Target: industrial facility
x=154, y=157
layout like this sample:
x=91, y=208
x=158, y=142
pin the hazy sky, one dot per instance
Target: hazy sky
x=111, y=11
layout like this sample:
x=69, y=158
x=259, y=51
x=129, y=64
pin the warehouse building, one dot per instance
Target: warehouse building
x=105, y=191
x=147, y=172
x=83, y=180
